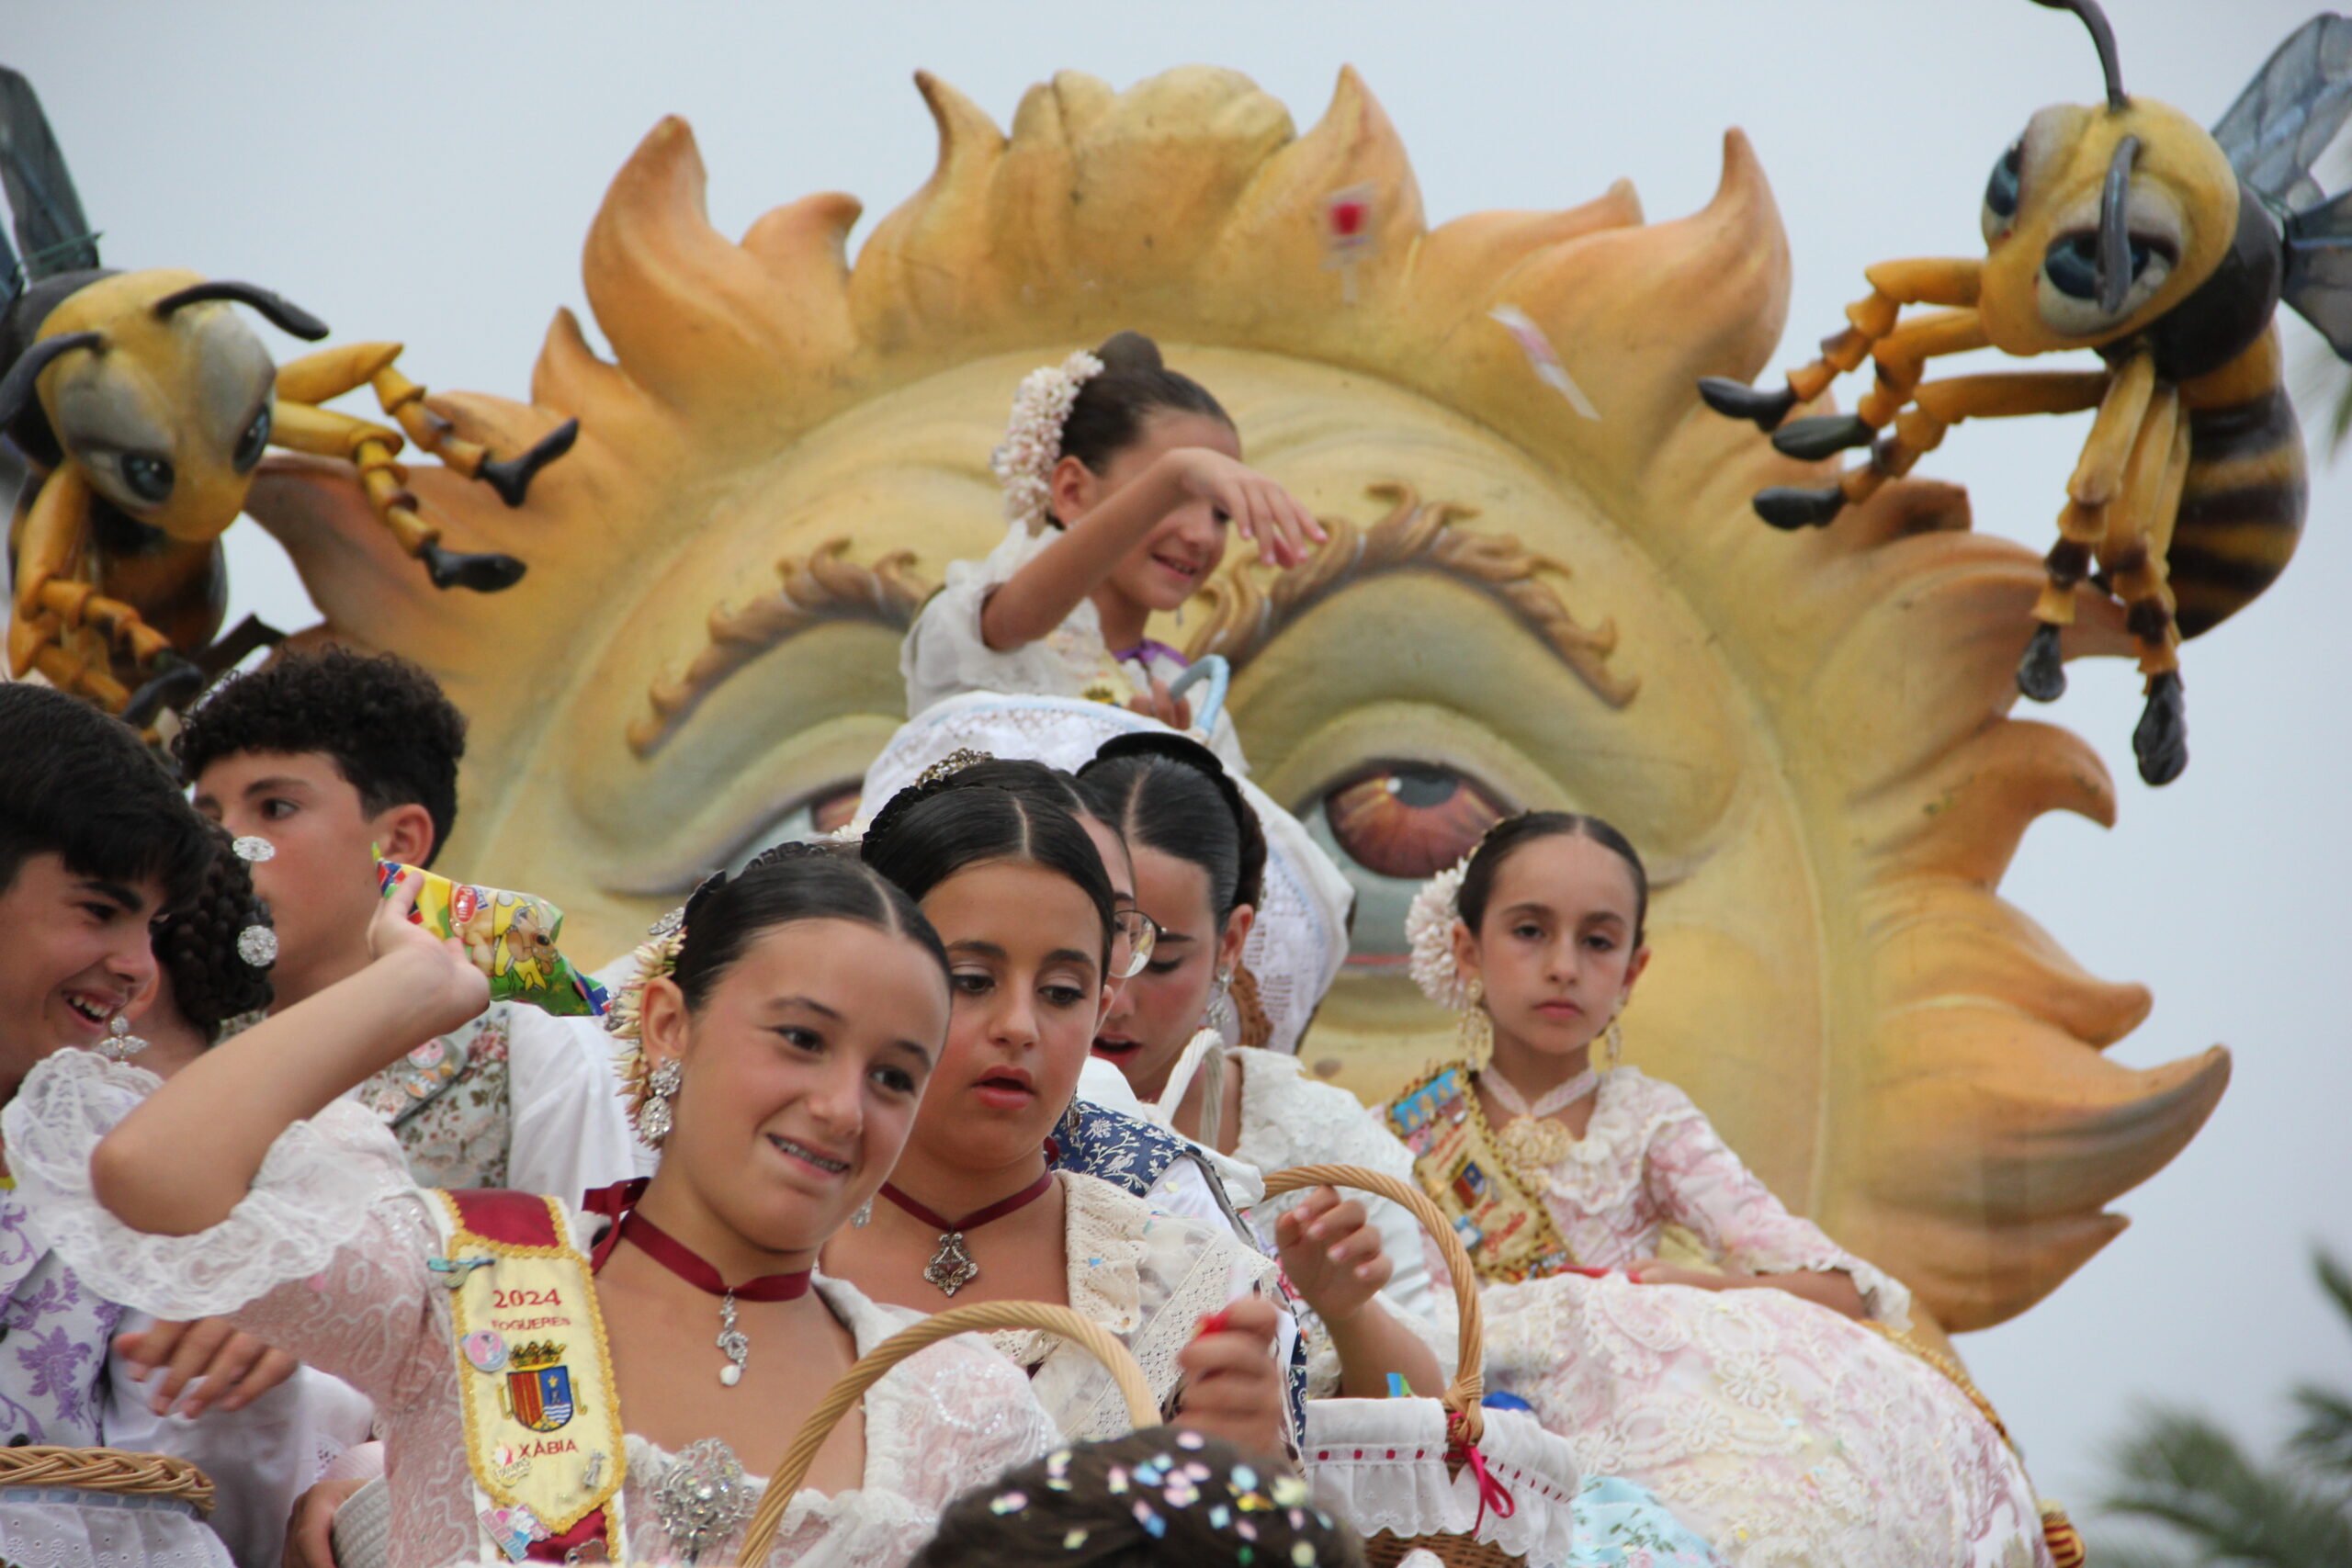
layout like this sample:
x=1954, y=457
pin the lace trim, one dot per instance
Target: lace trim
x=1380, y=1464
x=311, y=1196
x=1603, y=1169
x=1103, y=1247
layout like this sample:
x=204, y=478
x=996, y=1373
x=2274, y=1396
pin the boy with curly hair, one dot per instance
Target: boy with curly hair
x=330, y=757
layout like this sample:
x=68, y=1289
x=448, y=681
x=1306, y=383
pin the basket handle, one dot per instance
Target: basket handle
x=1469, y=1377
x=973, y=1317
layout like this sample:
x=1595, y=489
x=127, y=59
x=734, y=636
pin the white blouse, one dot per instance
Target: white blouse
x=326, y=1256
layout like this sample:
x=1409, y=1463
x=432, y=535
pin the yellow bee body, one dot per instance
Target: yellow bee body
x=2128, y=230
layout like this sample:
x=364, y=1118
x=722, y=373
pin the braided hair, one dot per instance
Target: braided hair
x=1150, y=1499
x=198, y=946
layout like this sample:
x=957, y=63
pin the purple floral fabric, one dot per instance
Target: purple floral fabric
x=53, y=1337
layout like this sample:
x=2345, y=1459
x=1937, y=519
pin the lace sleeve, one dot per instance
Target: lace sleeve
x=1697, y=1180
x=946, y=655
x=324, y=1257
x=953, y=1416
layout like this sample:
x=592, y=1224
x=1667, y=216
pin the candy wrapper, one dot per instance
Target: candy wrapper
x=510, y=937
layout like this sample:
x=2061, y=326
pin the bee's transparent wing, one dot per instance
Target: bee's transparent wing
x=2319, y=270
x=2290, y=112
x=51, y=231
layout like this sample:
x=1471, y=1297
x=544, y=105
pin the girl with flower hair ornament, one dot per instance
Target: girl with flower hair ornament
x=1121, y=479
x=1777, y=1405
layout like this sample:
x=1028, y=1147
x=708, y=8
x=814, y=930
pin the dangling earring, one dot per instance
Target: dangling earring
x=1478, y=1029
x=1219, y=1014
x=1612, y=1050
x=864, y=1217
x=120, y=1044
x=653, y=1116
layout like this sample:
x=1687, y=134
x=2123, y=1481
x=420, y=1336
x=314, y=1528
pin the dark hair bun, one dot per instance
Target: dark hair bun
x=1125, y=352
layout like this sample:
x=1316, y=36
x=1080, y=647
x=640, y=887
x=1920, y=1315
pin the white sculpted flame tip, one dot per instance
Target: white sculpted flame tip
x=1024, y=463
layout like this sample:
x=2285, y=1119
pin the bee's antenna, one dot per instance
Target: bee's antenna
x=17, y=386
x=2103, y=38
x=283, y=313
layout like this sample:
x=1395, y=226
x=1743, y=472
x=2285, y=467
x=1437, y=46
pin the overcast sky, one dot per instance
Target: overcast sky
x=427, y=171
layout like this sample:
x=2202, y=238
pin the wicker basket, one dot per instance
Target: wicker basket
x=108, y=1470
x=1411, y=1436
x=976, y=1317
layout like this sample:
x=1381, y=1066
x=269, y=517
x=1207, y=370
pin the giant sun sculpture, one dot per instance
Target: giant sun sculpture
x=1808, y=735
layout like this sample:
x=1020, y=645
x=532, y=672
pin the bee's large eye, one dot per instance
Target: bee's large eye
x=2001, y=191
x=253, y=443
x=148, y=477
x=1390, y=831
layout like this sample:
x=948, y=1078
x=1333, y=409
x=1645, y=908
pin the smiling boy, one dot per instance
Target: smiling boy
x=331, y=757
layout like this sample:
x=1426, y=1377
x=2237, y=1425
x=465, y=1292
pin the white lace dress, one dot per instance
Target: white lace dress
x=1148, y=1278
x=1782, y=1431
x=325, y=1257
x=944, y=654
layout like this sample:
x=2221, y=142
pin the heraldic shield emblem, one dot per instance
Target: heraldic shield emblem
x=539, y=1387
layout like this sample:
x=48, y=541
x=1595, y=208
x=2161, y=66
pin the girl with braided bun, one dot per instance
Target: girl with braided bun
x=1771, y=1398
x=1122, y=478
x=1163, y=1497
x=556, y=1380
x=974, y=1210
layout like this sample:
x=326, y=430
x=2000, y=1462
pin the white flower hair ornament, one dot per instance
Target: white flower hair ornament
x=1023, y=462
x=1429, y=928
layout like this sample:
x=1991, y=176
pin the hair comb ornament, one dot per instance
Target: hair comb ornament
x=948, y=767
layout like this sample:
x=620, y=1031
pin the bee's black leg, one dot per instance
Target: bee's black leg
x=2160, y=741
x=1822, y=435
x=511, y=477
x=484, y=573
x=2041, y=674
x=171, y=680
x=1730, y=397
x=1786, y=506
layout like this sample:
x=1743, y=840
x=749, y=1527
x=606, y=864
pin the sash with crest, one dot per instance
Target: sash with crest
x=542, y=1418
x=1504, y=1227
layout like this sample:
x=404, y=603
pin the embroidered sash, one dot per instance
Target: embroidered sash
x=543, y=1421
x=1505, y=1227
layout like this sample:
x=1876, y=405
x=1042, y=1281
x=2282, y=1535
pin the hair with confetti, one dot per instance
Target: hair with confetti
x=1159, y=1496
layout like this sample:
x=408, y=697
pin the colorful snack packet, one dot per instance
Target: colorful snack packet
x=510, y=937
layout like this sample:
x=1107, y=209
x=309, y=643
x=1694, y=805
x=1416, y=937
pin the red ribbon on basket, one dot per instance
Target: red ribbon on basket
x=1492, y=1493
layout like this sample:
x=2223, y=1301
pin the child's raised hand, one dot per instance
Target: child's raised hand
x=441, y=962
x=1261, y=510
x=1232, y=1388
x=1331, y=1252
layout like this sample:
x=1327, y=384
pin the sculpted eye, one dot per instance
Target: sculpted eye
x=1410, y=820
x=1390, y=831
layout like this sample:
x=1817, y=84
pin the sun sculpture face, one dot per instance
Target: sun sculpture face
x=1808, y=737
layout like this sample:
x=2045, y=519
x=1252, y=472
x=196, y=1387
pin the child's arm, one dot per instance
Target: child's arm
x=181, y=1161
x=1040, y=595
x=1697, y=1179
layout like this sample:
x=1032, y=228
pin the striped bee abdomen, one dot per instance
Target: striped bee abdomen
x=2241, y=507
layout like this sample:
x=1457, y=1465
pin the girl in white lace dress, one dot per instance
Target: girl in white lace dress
x=788, y=1032
x=1018, y=893
x=1759, y=1401
x=1120, y=478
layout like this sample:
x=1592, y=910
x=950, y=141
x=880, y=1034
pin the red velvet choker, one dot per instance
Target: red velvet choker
x=951, y=1267
x=620, y=1201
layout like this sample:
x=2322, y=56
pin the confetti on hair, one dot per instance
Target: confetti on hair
x=1180, y=1492
x=1008, y=1503
x=1289, y=1491
x=1244, y=1478
x=1115, y=1482
x=1302, y=1555
x=1153, y=1525
x=1073, y=1539
x=1192, y=1440
x=1219, y=1516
